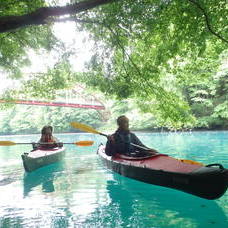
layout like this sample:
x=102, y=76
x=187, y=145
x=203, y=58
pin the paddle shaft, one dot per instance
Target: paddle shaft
x=38, y=143
x=141, y=147
x=89, y=129
x=73, y=143
x=45, y=143
x=135, y=145
x=79, y=143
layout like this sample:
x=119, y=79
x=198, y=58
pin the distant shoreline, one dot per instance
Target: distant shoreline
x=133, y=130
x=183, y=130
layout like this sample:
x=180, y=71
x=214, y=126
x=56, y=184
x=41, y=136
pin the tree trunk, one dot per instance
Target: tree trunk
x=42, y=15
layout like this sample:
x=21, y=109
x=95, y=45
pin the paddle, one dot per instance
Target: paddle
x=89, y=129
x=79, y=143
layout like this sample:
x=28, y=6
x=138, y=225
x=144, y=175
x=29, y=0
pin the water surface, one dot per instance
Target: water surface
x=81, y=192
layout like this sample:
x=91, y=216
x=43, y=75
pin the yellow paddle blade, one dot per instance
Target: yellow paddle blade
x=84, y=127
x=7, y=143
x=191, y=162
x=84, y=143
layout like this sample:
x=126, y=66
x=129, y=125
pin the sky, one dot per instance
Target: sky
x=80, y=41
x=74, y=40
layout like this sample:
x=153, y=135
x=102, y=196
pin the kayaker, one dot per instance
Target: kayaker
x=47, y=137
x=121, y=141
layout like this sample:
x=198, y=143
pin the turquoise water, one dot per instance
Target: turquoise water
x=80, y=192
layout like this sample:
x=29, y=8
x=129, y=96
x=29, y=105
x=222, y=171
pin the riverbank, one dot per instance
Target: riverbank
x=110, y=131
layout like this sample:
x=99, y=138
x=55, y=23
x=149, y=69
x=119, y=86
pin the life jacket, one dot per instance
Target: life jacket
x=47, y=139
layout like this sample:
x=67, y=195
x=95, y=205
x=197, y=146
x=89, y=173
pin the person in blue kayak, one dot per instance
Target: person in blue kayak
x=47, y=140
x=125, y=142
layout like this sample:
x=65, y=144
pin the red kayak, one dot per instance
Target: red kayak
x=208, y=182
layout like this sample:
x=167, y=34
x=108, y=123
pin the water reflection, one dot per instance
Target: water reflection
x=121, y=208
x=6, y=181
x=44, y=176
x=135, y=204
x=81, y=193
x=11, y=222
x=206, y=147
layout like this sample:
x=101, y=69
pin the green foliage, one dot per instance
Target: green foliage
x=12, y=7
x=161, y=54
x=23, y=119
x=44, y=85
x=208, y=98
x=14, y=45
x=151, y=47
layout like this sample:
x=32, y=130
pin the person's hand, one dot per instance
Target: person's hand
x=35, y=145
x=59, y=144
x=153, y=151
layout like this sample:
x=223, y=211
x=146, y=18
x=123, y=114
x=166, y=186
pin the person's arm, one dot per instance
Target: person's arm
x=57, y=143
x=137, y=141
x=55, y=139
x=110, y=148
x=35, y=145
x=42, y=139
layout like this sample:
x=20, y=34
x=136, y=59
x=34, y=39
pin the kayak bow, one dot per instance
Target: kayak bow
x=39, y=158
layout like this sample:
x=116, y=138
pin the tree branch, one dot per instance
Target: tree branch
x=197, y=4
x=41, y=15
x=116, y=37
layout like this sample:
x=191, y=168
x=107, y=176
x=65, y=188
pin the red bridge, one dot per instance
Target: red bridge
x=75, y=98
x=59, y=104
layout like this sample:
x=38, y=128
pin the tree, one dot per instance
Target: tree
x=43, y=15
x=208, y=97
x=150, y=47
x=145, y=48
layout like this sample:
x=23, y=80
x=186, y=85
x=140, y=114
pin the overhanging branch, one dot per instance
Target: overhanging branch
x=197, y=4
x=42, y=15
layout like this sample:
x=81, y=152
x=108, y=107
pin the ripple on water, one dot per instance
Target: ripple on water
x=81, y=192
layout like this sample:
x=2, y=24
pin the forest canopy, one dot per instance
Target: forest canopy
x=170, y=56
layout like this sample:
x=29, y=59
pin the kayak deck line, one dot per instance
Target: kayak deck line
x=138, y=158
x=42, y=153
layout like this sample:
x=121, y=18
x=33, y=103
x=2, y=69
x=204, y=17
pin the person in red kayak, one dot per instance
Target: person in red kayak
x=47, y=140
x=125, y=142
